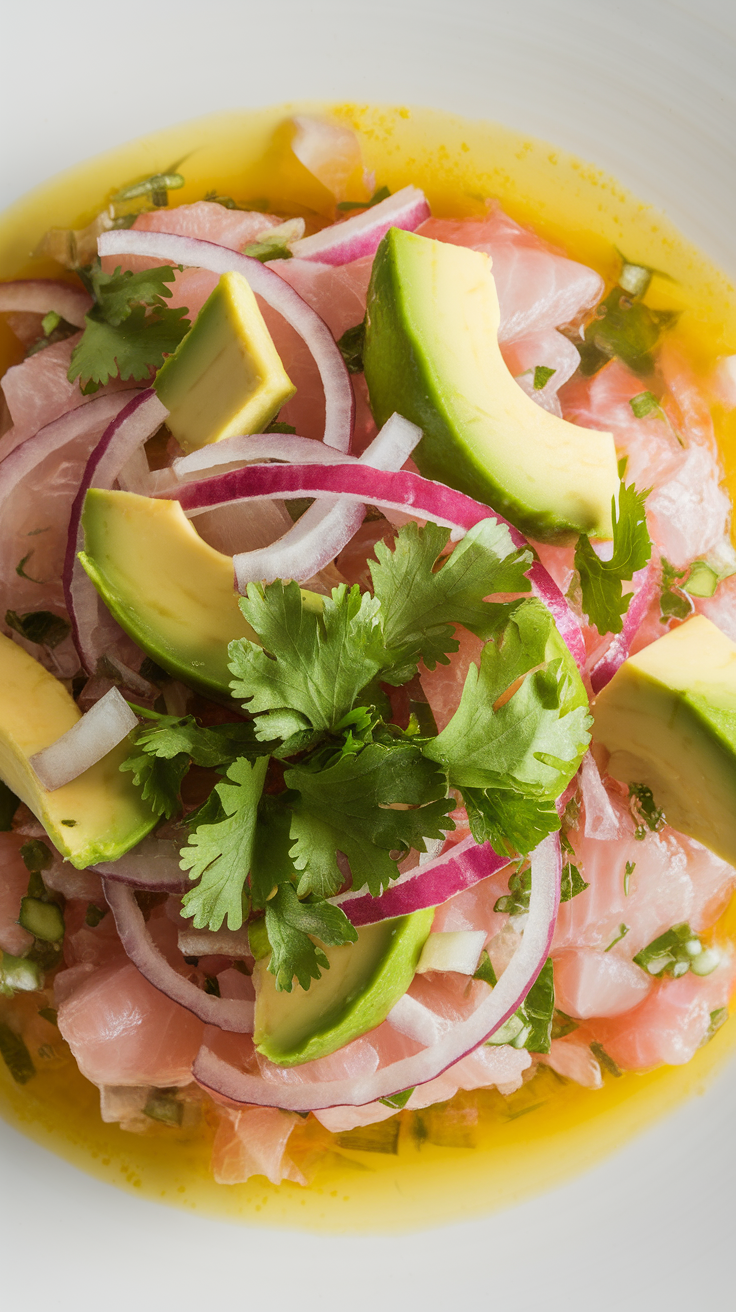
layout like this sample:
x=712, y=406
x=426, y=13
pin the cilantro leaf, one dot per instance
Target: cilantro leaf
x=349, y=808
x=509, y=821
x=39, y=626
x=159, y=779
x=420, y=606
x=320, y=661
x=600, y=580
x=671, y=953
x=271, y=864
x=673, y=602
x=121, y=339
x=528, y=736
x=291, y=926
x=531, y=1025
x=351, y=347
x=220, y=854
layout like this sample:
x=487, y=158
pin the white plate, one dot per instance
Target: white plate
x=646, y=90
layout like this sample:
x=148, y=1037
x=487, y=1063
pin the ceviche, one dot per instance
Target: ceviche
x=368, y=668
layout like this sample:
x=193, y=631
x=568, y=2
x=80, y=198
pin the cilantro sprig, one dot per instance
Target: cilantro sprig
x=601, y=580
x=129, y=329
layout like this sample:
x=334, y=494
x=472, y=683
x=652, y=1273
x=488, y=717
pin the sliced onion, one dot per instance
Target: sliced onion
x=412, y=1018
x=100, y=729
x=339, y=401
x=387, y=490
x=43, y=295
x=326, y=527
x=353, y=238
x=155, y=865
x=454, y=950
x=134, y=422
x=645, y=587
x=234, y=1015
x=427, y=885
x=460, y=1038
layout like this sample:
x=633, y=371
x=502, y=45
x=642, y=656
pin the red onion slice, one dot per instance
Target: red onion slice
x=388, y=490
x=465, y=1036
x=426, y=885
x=339, y=401
x=645, y=585
x=353, y=238
x=234, y=1015
x=326, y=527
x=154, y=865
x=42, y=295
x=134, y=422
x=100, y=729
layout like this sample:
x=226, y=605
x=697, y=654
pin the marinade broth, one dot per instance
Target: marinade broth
x=419, y=1168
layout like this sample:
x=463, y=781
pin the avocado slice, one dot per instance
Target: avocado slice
x=226, y=376
x=364, y=981
x=431, y=353
x=668, y=718
x=97, y=817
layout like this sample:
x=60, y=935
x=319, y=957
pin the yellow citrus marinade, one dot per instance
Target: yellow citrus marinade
x=419, y=1168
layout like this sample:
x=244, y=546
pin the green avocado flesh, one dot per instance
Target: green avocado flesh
x=98, y=816
x=431, y=353
x=170, y=590
x=226, y=376
x=668, y=718
x=364, y=981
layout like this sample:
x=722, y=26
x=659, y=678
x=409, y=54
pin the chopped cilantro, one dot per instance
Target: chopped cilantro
x=516, y=901
x=542, y=375
x=603, y=599
x=351, y=347
x=622, y=932
x=606, y=1062
x=292, y=926
x=621, y=326
x=397, y=1100
x=673, y=604
x=572, y=882
x=484, y=970
x=717, y=1019
x=643, y=404
x=129, y=329
x=671, y=953
x=349, y=808
x=344, y=206
x=15, y=1054
x=531, y=1025
x=219, y=855
x=628, y=872
x=420, y=603
x=20, y=568
x=646, y=814
x=40, y=626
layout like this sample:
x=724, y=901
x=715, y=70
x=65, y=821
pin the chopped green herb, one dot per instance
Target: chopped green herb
x=542, y=375
x=622, y=932
x=718, y=1018
x=601, y=580
x=485, y=971
x=672, y=953
x=572, y=882
x=647, y=816
x=516, y=901
x=15, y=1054
x=351, y=347
x=531, y=1025
x=673, y=604
x=397, y=1100
x=219, y=855
x=130, y=328
x=19, y=975
x=9, y=804
x=95, y=915
x=562, y=1024
x=21, y=570
x=36, y=855
x=643, y=404
x=606, y=1062
x=621, y=326
x=344, y=206
x=40, y=626
x=269, y=248
x=628, y=872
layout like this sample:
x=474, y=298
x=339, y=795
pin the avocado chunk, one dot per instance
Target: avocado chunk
x=364, y=981
x=97, y=817
x=168, y=588
x=431, y=353
x=668, y=718
x=226, y=376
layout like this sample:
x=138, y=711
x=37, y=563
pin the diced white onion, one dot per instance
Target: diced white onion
x=458, y=950
x=99, y=730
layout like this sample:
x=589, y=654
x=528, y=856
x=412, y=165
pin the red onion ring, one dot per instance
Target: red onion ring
x=645, y=585
x=42, y=295
x=134, y=422
x=339, y=400
x=222, y=1078
x=98, y=731
x=428, y=885
x=231, y=1014
x=154, y=865
x=351, y=239
x=402, y=490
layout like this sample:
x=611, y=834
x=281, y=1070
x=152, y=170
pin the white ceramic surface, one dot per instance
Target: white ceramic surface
x=645, y=89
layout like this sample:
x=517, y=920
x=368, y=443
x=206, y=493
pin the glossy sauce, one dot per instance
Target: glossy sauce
x=419, y=1168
